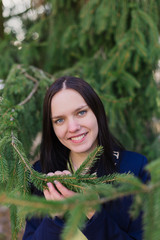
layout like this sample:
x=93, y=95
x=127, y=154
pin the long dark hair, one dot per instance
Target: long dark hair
x=54, y=155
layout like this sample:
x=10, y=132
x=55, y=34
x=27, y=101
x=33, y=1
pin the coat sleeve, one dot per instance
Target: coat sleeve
x=43, y=229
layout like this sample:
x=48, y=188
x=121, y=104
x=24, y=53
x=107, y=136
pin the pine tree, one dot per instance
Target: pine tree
x=114, y=46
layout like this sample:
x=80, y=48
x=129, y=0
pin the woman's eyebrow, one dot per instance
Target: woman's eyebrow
x=56, y=117
x=76, y=110
x=81, y=107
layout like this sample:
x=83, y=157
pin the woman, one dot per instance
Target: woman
x=74, y=123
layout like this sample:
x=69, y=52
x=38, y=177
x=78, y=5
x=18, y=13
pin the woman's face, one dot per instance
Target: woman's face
x=74, y=123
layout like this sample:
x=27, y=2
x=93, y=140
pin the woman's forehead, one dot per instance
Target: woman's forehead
x=66, y=100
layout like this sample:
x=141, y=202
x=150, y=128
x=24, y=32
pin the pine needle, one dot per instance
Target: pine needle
x=71, y=228
x=90, y=160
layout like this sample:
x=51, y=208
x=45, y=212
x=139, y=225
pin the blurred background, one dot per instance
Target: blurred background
x=114, y=45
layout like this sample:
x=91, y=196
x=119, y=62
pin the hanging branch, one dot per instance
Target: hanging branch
x=16, y=149
x=33, y=90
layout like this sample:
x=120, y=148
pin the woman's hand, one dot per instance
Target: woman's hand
x=52, y=194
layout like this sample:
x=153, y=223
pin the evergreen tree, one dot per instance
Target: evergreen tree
x=114, y=46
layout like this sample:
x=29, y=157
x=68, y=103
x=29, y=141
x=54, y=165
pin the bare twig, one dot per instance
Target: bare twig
x=33, y=90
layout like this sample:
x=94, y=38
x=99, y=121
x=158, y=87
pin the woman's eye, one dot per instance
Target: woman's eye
x=81, y=113
x=59, y=121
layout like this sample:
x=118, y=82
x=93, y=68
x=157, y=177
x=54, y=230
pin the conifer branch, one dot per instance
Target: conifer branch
x=6, y=112
x=89, y=162
x=3, y=169
x=33, y=90
x=74, y=220
x=16, y=149
x=74, y=182
x=109, y=193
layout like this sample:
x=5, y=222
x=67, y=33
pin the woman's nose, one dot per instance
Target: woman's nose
x=73, y=125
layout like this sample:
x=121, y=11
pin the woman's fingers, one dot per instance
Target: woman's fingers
x=63, y=190
x=66, y=172
x=47, y=194
x=50, y=174
x=51, y=193
x=58, y=173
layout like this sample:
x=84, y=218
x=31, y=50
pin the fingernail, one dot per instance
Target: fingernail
x=49, y=184
x=55, y=182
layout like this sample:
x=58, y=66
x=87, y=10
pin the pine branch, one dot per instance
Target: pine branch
x=19, y=153
x=73, y=220
x=3, y=169
x=89, y=198
x=14, y=222
x=76, y=182
x=73, y=182
x=127, y=185
x=89, y=162
x=33, y=90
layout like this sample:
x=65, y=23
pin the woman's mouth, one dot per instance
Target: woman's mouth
x=78, y=138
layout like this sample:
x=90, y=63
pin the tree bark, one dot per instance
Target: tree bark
x=1, y=21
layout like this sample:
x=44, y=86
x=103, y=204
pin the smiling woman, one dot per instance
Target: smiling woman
x=74, y=123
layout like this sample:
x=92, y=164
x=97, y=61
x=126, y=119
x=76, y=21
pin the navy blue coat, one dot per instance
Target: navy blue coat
x=113, y=222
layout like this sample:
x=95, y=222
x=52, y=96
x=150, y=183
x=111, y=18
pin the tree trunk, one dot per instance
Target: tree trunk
x=1, y=21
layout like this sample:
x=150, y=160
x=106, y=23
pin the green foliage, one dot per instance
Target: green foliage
x=8, y=55
x=146, y=198
x=21, y=107
x=111, y=44
x=92, y=158
x=76, y=216
x=114, y=46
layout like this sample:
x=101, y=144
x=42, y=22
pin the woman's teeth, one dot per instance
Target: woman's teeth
x=78, y=138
